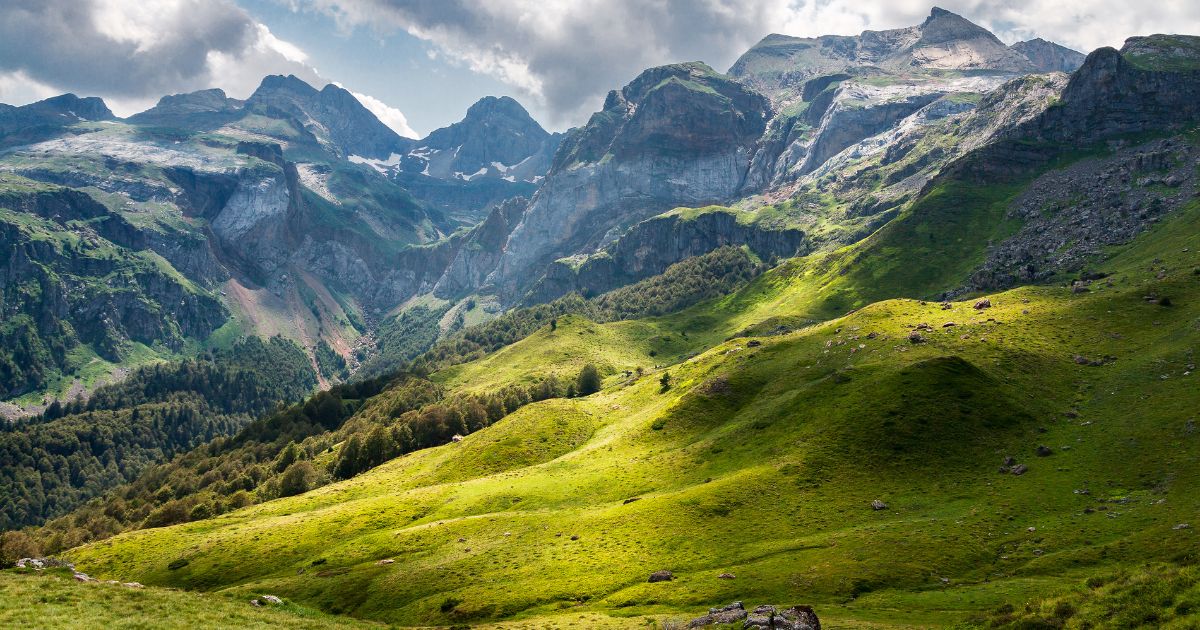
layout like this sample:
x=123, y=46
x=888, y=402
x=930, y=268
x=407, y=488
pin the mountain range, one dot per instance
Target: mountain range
x=862, y=323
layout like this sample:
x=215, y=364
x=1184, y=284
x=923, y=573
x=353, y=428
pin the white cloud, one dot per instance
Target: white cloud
x=566, y=55
x=388, y=115
x=131, y=52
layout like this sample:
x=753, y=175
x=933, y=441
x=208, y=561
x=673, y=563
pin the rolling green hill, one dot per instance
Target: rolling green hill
x=762, y=459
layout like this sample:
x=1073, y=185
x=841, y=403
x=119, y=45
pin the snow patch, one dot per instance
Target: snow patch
x=383, y=166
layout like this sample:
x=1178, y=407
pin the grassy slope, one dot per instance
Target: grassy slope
x=769, y=475
x=53, y=600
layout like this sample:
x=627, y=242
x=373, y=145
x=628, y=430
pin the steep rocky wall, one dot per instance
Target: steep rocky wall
x=653, y=245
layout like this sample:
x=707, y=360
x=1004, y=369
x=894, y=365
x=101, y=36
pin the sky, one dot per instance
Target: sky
x=419, y=64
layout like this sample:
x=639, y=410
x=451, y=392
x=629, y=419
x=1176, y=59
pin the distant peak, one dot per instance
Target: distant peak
x=290, y=82
x=939, y=12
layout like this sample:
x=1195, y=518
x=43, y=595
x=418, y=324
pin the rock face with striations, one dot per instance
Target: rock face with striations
x=678, y=135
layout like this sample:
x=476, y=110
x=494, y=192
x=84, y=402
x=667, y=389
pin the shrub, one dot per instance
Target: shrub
x=588, y=381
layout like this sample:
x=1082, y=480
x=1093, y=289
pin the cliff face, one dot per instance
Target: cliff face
x=651, y=246
x=676, y=136
x=1151, y=85
x=1048, y=56
x=75, y=274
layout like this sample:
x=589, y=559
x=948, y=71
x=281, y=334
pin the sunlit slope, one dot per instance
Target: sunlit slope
x=762, y=461
x=52, y=599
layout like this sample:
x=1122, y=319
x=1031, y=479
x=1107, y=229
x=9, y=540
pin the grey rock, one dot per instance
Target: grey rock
x=661, y=576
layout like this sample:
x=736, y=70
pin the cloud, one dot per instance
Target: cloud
x=131, y=52
x=386, y=114
x=565, y=55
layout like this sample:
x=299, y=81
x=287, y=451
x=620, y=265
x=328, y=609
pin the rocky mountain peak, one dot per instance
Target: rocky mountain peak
x=202, y=108
x=1048, y=56
x=73, y=107
x=944, y=26
x=44, y=117
x=279, y=83
x=332, y=114
x=497, y=139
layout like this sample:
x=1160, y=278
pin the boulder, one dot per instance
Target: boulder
x=661, y=576
x=764, y=617
x=271, y=599
x=915, y=337
x=1044, y=451
x=726, y=576
x=1020, y=469
x=726, y=614
x=982, y=304
x=878, y=505
x=797, y=618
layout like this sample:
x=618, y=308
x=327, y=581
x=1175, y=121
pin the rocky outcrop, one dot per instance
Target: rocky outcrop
x=651, y=246
x=64, y=282
x=471, y=266
x=1070, y=216
x=1151, y=85
x=763, y=617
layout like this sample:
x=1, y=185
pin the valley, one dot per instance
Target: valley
x=899, y=326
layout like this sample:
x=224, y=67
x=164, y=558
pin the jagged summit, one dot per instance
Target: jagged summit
x=496, y=139
x=332, y=114
x=944, y=26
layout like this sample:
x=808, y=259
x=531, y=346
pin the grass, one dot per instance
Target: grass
x=52, y=599
x=762, y=461
x=1156, y=596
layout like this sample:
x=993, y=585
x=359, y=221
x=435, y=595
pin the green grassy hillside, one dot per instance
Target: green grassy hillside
x=53, y=600
x=762, y=459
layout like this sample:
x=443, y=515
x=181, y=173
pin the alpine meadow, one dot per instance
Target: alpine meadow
x=892, y=330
